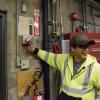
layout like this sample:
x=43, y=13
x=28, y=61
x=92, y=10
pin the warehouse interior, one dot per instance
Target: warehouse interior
x=49, y=24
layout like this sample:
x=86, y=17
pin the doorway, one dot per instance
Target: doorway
x=3, y=72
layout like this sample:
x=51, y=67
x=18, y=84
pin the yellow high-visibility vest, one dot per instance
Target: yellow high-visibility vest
x=85, y=84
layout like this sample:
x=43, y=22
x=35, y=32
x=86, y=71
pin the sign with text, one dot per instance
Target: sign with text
x=36, y=26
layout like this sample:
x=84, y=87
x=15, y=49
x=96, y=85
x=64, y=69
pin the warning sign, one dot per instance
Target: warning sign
x=24, y=78
x=36, y=26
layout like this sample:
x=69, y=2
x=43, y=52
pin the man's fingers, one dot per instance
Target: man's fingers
x=29, y=48
x=29, y=45
x=30, y=42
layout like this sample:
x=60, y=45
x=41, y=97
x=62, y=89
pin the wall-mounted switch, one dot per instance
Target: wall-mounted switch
x=24, y=63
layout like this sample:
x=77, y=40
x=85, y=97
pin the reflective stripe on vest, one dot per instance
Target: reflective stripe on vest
x=47, y=56
x=76, y=91
x=64, y=69
x=55, y=58
x=85, y=83
x=87, y=76
x=63, y=72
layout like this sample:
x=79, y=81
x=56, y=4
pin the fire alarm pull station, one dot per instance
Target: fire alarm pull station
x=26, y=38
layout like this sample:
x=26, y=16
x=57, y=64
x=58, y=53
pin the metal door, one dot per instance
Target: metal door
x=3, y=93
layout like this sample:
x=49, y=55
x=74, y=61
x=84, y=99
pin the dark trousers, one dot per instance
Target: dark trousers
x=64, y=96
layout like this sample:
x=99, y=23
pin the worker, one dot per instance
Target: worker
x=80, y=71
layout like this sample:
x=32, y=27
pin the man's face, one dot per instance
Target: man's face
x=80, y=53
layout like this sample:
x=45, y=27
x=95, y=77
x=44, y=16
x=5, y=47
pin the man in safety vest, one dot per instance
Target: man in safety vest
x=80, y=72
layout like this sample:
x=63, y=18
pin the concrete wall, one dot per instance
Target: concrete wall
x=10, y=7
x=67, y=6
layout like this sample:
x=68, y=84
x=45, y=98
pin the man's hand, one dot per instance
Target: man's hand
x=29, y=46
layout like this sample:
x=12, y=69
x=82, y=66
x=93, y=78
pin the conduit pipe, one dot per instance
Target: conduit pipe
x=53, y=3
x=93, y=18
x=17, y=30
x=60, y=15
x=84, y=5
x=46, y=47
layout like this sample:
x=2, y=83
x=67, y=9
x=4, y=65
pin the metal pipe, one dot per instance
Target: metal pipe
x=96, y=3
x=45, y=25
x=84, y=5
x=17, y=30
x=46, y=47
x=92, y=14
x=53, y=3
x=80, y=20
x=60, y=16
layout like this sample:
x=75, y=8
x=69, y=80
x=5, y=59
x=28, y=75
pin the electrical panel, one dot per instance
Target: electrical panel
x=25, y=26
